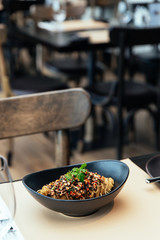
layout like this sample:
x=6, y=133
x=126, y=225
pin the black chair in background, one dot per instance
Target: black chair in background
x=148, y=59
x=128, y=94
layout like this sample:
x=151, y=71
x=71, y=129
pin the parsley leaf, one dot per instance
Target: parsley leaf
x=68, y=176
x=77, y=173
x=83, y=166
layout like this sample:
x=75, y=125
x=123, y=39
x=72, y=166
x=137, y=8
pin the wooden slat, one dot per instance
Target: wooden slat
x=105, y=2
x=23, y=115
x=4, y=80
x=62, y=148
x=41, y=12
x=3, y=33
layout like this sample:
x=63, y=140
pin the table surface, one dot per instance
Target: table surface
x=134, y=214
x=77, y=36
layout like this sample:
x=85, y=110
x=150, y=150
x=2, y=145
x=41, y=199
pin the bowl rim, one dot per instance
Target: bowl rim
x=79, y=164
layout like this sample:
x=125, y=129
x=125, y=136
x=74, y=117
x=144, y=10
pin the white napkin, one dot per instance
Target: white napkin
x=15, y=233
x=50, y=26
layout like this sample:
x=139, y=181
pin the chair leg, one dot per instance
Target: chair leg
x=156, y=118
x=62, y=154
x=111, y=118
x=129, y=121
x=9, y=157
x=157, y=129
x=158, y=113
x=10, y=151
x=80, y=144
x=87, y=132
x=120, y=133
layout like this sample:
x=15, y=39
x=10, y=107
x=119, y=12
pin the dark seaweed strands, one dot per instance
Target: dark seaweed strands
x=75, y=189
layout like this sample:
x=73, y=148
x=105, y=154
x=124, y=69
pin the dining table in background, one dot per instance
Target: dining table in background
x=77, y=36
x=134, y=213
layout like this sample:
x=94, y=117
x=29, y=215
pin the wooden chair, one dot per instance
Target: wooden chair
x=107, y=3
x=75, y=9
x=104, y=5
x=41, y=12
x=56, y=111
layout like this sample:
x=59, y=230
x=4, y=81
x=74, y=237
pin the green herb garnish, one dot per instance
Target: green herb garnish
x=77, y=173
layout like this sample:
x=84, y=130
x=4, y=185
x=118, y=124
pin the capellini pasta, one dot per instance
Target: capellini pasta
x=78, y=184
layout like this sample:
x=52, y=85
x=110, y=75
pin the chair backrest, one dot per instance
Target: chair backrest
x=56, y=111
x=41, y=12
x=12, y=6
x=105, y=3
x=129, y=36
x=75, y=9
x=134, y=35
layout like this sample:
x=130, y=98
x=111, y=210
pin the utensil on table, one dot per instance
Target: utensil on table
x=153, y=179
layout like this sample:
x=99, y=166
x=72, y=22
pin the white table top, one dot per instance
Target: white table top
x=134, y=214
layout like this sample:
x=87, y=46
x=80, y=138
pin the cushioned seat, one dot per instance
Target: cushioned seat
x=31, y=84
x=135, y=93
x=73, y=67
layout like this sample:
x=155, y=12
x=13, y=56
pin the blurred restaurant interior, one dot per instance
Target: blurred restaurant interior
x=73, y=51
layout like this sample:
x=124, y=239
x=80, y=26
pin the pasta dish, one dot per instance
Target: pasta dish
x=78, y=184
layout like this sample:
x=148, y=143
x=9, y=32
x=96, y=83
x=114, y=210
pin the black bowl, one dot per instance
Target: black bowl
x=108, y=168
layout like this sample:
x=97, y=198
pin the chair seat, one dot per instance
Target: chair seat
x=136, y=95
x=148, y=55
x=72, y=66
x=38, y=83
